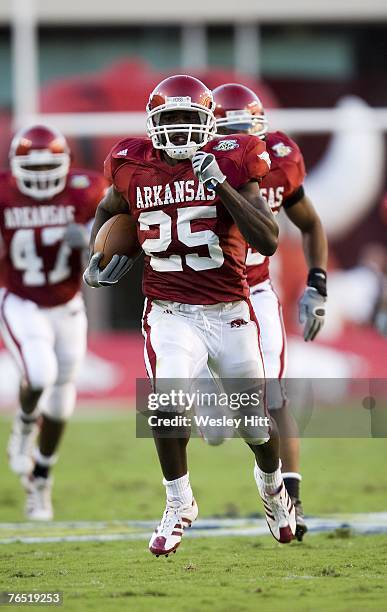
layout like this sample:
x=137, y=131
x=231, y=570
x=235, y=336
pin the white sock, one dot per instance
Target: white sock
x=179, y=490
x=271, y=481
x=28, y=418
x=43, y=460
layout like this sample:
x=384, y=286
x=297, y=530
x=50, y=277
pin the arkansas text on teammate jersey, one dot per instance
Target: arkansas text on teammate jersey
x=37, y=264
x=195, y=253
x=285, y=178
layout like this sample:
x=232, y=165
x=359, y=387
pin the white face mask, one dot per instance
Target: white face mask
x=40, y=184
x=243, y=120
x=160, y=134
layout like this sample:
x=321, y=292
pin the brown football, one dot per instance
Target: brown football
x=117, y=236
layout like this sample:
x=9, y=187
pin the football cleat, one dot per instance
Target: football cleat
x=279, y=510
x=301, y=527
x=168, y=535
x=38, y=503
x=20, y=446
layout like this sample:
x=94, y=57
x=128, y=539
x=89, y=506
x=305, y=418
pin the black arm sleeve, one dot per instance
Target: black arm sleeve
x=294, y=198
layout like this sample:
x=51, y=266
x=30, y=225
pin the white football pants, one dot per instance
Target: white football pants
x=48, y=346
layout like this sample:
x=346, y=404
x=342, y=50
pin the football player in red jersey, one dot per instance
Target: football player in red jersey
x=194, y=197
x=45, y=208
x=239, y=110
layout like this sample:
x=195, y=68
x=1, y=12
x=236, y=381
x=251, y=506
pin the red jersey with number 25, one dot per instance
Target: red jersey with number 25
x=194, y=252
x=286, y=176
x=37, y=264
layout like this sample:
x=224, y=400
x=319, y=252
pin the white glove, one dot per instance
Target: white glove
x=312, y=312
x=207, y=170
x=116, y=268
x=76, y=236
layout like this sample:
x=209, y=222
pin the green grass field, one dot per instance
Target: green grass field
x=226, y=574
x=105, y=473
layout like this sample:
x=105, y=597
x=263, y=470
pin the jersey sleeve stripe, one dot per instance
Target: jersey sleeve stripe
x=149, y=353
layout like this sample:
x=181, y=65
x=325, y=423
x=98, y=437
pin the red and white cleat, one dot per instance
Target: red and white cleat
x=169, y=533
x=280, y=512
x=38, y=502
x=20, y=446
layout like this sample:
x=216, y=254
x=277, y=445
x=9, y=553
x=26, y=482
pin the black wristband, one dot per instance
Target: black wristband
x=317, y=278
x=294, y=197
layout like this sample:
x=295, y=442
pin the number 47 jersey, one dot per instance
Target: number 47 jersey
x=194, y=252
x=36, y=262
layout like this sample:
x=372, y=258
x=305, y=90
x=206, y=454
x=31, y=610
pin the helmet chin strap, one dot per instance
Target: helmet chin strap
x=184, y=152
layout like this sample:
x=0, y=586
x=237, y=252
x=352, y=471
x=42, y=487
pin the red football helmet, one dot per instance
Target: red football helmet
x=239, y=109
x=40, y=161
x=180, y=92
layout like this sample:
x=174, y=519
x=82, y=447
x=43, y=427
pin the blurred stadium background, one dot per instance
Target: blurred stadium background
x=320, y=68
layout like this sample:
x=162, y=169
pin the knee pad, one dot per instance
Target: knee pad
x=41, y=367
x=255, y=435
x=59, y=402
x=255, y=441
x=276, y=397
x=67, y=370
x=255, y=430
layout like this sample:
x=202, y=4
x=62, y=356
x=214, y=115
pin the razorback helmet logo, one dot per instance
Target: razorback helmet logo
x=40, y=161
x=239, y=109
x=180, y=93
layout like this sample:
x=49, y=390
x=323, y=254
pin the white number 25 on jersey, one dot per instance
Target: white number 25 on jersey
x=174, y=263
x=26, y=259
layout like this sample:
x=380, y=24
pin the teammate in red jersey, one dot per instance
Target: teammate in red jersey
x=194, y=198
x=45, y=208
x=239, y=110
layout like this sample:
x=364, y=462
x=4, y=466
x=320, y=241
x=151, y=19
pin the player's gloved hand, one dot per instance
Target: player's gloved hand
x=207, y=170
x=76, y=236
x=114, y=271
x=312, y=303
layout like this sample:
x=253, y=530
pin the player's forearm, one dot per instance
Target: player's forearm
x=315, y=245
x=314, y=240
x=101, y=216
x=258, y=227
x=112, y=204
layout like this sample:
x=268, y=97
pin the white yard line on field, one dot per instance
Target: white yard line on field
x=101, y=531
